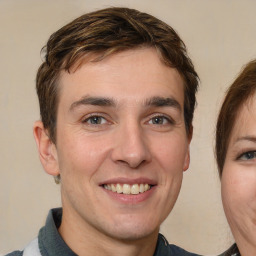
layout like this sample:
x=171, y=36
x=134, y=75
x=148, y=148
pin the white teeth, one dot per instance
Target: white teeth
x=142, y=188
x=113, y=188
x=135, y=189
x=127, y=189
x=119, y=189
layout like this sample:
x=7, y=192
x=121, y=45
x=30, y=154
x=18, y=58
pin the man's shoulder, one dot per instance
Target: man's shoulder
x=164, y=248
x=15, y=253
x=177, y=251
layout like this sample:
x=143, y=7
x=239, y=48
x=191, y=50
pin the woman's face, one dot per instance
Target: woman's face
x=238, y=183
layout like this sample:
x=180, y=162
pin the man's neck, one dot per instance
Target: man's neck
x=85, y=240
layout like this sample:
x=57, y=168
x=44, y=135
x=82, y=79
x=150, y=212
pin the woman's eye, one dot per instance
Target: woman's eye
x=95, y=120
x=159, y=120
x=248, y=155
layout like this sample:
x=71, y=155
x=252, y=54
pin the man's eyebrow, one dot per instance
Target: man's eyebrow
x=163, y=102
x=96, y=101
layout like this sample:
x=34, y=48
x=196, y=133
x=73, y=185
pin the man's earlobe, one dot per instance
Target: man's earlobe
x=46, y=149
x=187, y=157
x=187, y=160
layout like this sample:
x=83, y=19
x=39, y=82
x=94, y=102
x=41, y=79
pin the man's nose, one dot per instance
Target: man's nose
x=131, y=146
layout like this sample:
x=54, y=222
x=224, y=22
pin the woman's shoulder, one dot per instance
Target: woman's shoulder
x=232, y=251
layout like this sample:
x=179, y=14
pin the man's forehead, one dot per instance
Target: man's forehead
x=103, y=75
x=97, y=58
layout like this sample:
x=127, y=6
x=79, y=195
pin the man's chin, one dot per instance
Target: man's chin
x=132, y=234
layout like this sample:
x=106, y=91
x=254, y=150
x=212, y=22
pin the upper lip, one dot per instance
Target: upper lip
x=123, y=180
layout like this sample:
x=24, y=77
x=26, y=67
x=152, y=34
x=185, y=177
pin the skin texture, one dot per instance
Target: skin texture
x=139, y=137
x=239, y=180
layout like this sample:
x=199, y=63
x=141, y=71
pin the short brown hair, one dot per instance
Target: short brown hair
x=105, y=32
x=238, y=93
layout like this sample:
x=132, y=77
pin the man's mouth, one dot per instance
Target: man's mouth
x=133, y=189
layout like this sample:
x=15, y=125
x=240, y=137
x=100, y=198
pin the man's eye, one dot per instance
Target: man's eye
x=159, y=120
x=95, y=120
x=247, y=155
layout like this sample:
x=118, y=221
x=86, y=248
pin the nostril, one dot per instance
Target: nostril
x=131, y=147
x=133, y=164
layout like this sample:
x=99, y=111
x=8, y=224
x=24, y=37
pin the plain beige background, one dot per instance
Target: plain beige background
x=220, y=36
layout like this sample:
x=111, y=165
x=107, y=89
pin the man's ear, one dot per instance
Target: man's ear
x=187, y=160
x=46, y=149
x=187, y=157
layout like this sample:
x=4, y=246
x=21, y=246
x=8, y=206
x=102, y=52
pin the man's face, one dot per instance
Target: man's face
x=121, y=145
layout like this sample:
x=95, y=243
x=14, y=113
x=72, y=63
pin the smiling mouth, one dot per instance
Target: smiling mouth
x=127, y=189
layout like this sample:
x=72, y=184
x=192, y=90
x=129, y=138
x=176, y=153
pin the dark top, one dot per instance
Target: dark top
x=232, y=251
x=51, y=243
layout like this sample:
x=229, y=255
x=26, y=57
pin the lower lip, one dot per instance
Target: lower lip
x=131, y=199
